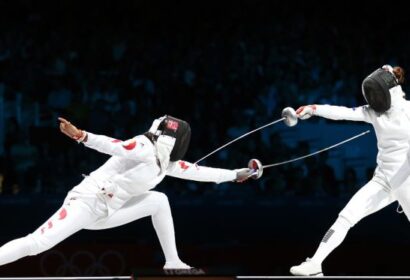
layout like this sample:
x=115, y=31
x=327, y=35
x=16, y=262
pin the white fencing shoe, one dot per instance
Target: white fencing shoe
x=176, y=265
x=307, y=268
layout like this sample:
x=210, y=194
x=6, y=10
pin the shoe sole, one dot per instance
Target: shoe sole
x=319, y=274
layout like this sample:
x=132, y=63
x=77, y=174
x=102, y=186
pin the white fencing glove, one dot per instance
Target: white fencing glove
x=305, y=112
x=243, y=174
x=254, y=171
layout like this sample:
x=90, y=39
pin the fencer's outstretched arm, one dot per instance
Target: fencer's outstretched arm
x=127, y=149
x=188, y=171
x=130, y=149
x=332, y=112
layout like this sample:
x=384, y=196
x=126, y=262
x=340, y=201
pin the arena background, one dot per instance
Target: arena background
x=226, y=67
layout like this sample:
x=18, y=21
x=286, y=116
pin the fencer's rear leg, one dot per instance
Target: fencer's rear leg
x=66, y=221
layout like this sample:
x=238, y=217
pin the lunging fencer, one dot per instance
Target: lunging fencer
x=119, y=191
x=389, y=113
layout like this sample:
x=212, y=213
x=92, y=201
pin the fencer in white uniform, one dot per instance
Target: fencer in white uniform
x=120, y=191
x=389, y=113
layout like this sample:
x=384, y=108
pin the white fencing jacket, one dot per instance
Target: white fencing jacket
x=392, y=131
x=133, y=169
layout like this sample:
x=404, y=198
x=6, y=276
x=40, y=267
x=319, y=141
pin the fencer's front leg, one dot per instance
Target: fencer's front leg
x=164, y=227
x=156, y=205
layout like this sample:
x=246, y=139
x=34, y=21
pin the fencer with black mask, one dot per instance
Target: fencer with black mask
x=120, y=191
x=376, y=88
x=388, y=112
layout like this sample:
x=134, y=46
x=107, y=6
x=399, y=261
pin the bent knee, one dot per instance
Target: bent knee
x=159, y=197
x=161, y=201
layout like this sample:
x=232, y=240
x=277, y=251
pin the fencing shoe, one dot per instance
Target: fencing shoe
x=176, y=265
x=307, y=268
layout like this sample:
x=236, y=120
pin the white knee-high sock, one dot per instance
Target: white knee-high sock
x=15, y=250
x=333, y=238
x=164, y=227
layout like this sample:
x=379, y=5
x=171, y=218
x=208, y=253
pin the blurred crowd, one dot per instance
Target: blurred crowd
x=112, y=70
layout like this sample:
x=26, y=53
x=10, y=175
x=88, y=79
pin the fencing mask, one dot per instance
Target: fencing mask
x=171, y=136
x=376, y=86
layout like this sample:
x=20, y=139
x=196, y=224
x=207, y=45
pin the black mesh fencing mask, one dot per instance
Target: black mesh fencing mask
x=375, y=89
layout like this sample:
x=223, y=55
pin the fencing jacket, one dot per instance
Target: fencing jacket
x=392, y=131
x=133, y=169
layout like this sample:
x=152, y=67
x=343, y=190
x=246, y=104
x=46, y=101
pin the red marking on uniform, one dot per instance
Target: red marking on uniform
x=116, y=141
x=172, y=125
x=130, y=146
x=42, y=230
x=300, y=109
x=62, y=214
x=183, y=165
x=50, y=224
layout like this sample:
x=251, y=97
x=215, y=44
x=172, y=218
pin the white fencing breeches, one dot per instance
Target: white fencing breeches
x=369, y=199
x=76, y=215
x=69, y=219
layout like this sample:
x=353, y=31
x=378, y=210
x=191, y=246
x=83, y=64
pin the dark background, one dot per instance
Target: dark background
x=226, y=67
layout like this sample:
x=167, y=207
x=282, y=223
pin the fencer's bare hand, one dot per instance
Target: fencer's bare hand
x=305, y=112
x=71, y=130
